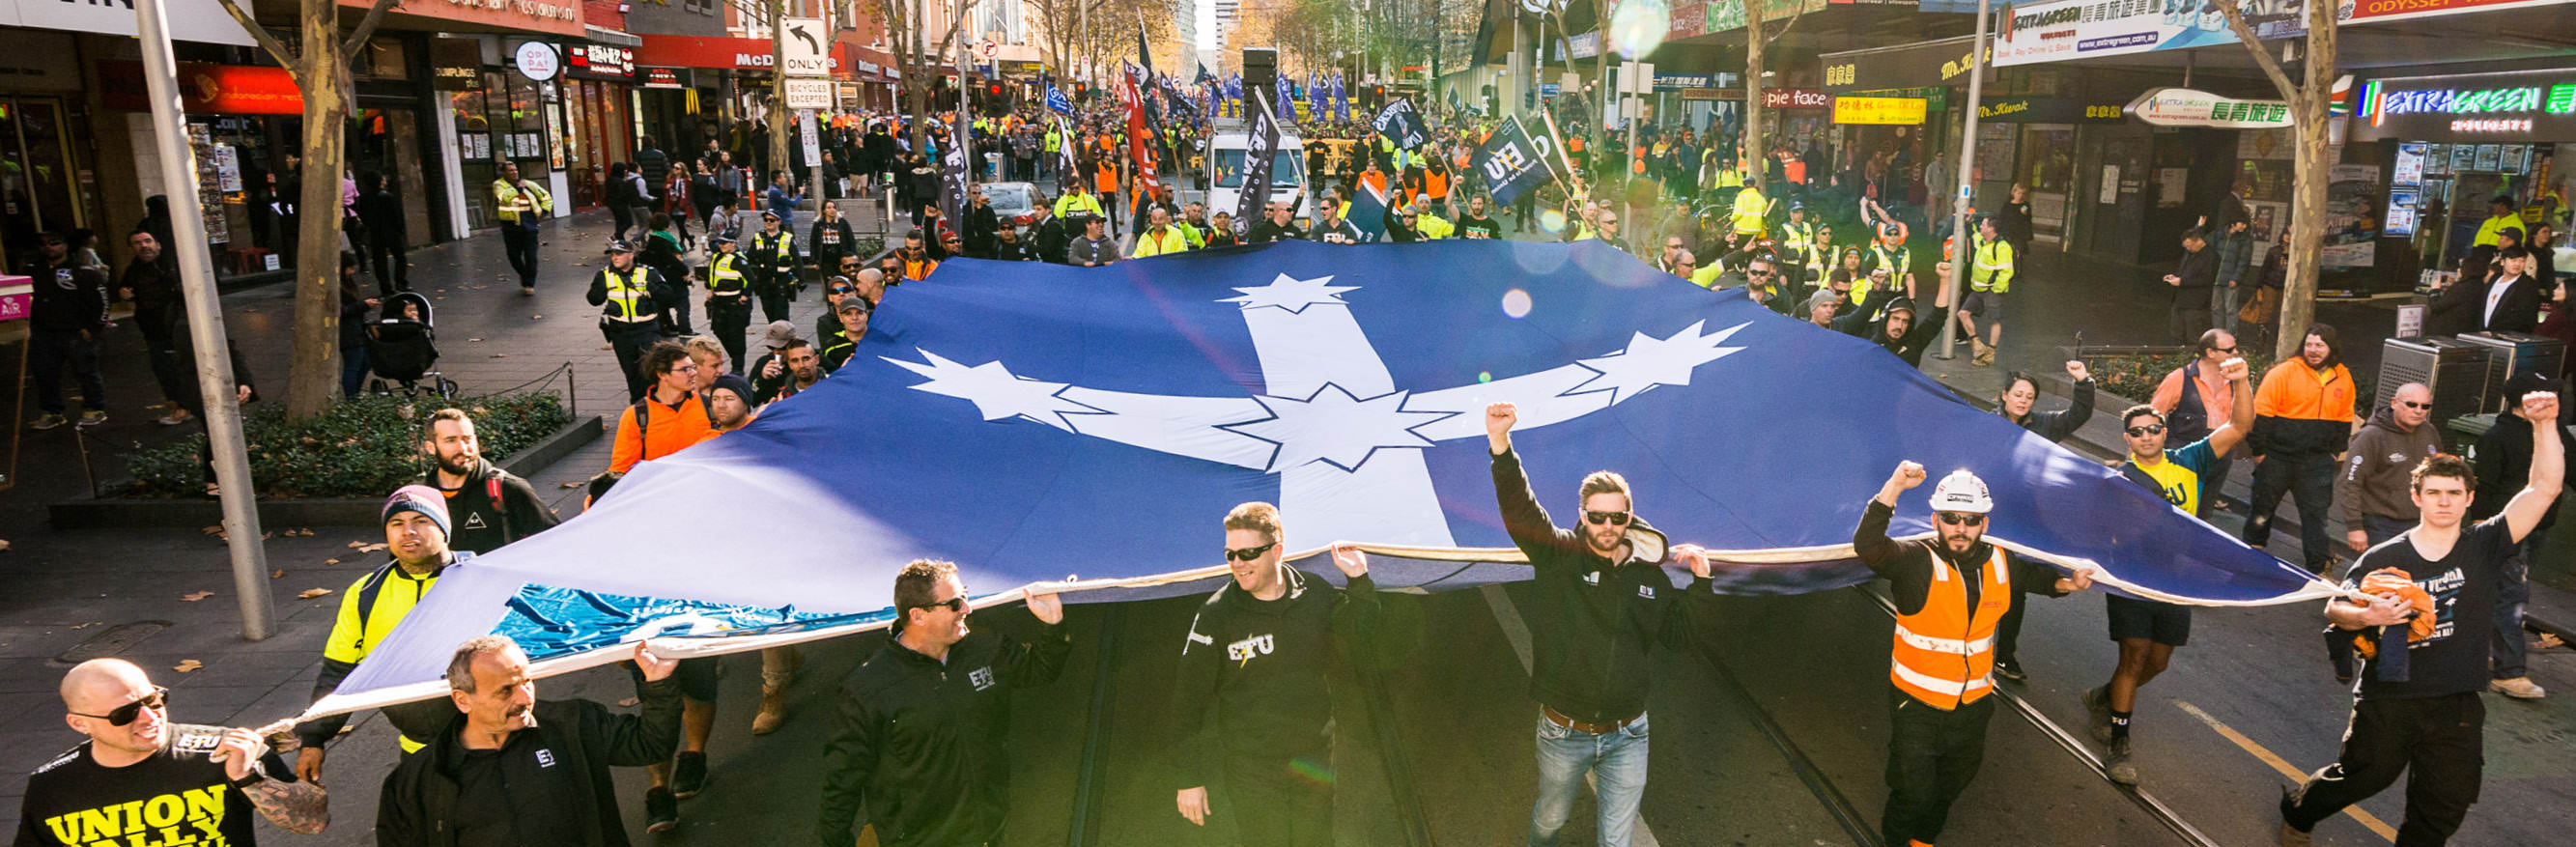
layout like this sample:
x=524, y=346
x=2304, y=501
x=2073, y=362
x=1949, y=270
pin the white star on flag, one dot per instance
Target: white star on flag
x=1291, y=294
x=1335, y=427
x=1651, y=361
x=995, y=391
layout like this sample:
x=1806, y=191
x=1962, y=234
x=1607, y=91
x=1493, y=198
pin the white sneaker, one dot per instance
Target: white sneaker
x=2519, y=688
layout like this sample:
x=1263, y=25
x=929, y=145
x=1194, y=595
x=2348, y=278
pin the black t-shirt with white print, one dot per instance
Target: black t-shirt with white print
x=176, y=797
x=2463, y=585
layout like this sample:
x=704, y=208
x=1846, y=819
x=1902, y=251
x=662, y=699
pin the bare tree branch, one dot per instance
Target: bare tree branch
x=366, y=29
x=285, y=58
x=2262, y=58
x=1784, y=28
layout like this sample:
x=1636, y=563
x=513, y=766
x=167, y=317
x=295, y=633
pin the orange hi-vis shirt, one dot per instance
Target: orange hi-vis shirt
x=667, y=429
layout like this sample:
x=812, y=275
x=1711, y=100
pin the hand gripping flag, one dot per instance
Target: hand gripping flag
x=1345, y=383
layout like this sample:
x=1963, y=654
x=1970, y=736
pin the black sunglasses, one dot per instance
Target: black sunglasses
x=2144, y=431
x=126, y=714
x=1962, y=519
x=953, y=604
x=1760, y=273
x=2414, y=405
x=1611, y=518
x=1248, y=553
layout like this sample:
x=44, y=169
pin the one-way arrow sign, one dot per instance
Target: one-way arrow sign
x=802, y=54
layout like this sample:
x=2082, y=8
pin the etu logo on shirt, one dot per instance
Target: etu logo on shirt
x=1646, y=591
x=1244, y=650
x=545, y=758
x=981, y=678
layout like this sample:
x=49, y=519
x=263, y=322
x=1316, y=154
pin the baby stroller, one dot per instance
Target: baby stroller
x=402, y=346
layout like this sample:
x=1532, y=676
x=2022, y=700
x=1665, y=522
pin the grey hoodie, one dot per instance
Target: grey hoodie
x=2377, y=468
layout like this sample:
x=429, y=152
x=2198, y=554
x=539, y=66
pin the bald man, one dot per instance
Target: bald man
x=140, y=778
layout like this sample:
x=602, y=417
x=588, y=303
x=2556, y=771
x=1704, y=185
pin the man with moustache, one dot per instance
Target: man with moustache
x=489, y=506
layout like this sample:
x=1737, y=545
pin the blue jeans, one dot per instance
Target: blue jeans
x=353, y=371
x=1617, y=761
x=2512, y=593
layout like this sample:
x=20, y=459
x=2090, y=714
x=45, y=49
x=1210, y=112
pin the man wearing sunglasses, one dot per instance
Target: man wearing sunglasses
x=1252, y=701
x=1949, y=593
x=2372, y=488
x=416, y=530
x=140, y=776
x=2192, y=395
x=2148, y=631
x=1602, y=601
x=920, y=743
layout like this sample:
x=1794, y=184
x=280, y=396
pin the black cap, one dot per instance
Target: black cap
x=620, y=246
x=720, y=239
x=734, y=383
x=769, y=216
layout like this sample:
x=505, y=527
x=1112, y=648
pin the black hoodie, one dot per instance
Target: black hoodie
x=1594, y=619
x=1252, y=682
x=493, y=508
x=920, y=745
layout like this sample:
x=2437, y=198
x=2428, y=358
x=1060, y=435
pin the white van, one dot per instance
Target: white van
x=1225, y=173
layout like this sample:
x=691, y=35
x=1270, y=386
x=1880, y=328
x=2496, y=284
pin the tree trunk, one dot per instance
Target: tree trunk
x=2308, y=185
x=313, y=374
x=1754, y=151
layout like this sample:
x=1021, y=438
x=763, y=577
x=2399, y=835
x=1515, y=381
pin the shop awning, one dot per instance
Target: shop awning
x=1918, y=65
x=603, y=35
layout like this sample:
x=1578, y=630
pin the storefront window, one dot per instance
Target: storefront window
x=385, y=58
x=505, y=120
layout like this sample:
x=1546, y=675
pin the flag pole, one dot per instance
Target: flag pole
x=215, y=378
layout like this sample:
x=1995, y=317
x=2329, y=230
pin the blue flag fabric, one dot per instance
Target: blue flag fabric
x=1346, y=384
x=1368, y=213
x=1055, y=100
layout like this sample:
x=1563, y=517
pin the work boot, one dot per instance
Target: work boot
x=689, y=774
x=2011, y=672
x=2292, y=837
x=178, y=415
x=2097, y=701
x=92, y=417
x=773, y=710
x=2117, y=764
x=46, y=421
x=661, y=810
x=1984, y=355
x=2519, y=688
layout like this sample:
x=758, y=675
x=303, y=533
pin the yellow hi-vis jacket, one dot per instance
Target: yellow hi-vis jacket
x=1992, y=267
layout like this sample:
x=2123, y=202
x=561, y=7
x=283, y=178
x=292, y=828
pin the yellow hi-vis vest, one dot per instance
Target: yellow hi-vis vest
x=1992, y=269
x=1750, y=207
x=724, y=275
x=1945, y=651
x=626, y=293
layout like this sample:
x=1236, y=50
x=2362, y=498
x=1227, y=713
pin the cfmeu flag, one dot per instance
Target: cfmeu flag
x=1091, y=446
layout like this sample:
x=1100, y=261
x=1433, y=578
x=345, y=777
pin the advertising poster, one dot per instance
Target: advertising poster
x=2401, y=211
x=2352, y=225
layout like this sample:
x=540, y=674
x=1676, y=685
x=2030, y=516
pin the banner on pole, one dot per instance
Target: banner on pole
x=1403, y=123
x=1513, y=162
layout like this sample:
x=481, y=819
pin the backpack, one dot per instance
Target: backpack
x=644, y=419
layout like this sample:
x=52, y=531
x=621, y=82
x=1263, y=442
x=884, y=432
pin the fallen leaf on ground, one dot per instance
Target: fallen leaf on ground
x=186, y=665
x=500, y=355
x=85, y=625
x=310, y=593
x=473, y=340
x=330, y=561
x=275, y=574
x=536, y=317
x=213, y=529
x=371, y=548
x=606, y=347
x=572, y=485
x=266, y=535
x=195, y=596
x=357, y=544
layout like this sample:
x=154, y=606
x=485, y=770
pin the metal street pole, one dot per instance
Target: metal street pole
x=206, y=324
x=1959, y=235
x=831, y=42
x=965, y=113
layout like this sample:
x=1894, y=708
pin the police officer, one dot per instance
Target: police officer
x=773, y=267
x=1797, y=239
x=628, y=316
x=1949, y=593
x=728, y=295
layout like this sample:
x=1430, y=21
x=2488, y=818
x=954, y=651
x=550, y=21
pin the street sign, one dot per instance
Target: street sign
x=987, y=50
x=807, y=50
x=813, y=140
x=537, y=61
x=809, y=93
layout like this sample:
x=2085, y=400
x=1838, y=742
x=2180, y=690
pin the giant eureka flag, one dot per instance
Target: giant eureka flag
x=1089, y=445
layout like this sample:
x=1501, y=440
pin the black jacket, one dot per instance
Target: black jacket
x=2504, y=467
x=1049, y=239
x=2199, y=273
x=1266, y=232
x=981, y=223
x=1015, y=250
x=574, y=740
x=69, y=297
x=827, y=252
x=156, y=292
x=1252, y=681
x=495, y=507
x=1870, y=322
x=922, y=745
x=382, y=212
x=1594, y=619
x=2056, y=426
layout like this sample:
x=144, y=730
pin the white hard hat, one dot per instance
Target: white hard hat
x=1961, y=491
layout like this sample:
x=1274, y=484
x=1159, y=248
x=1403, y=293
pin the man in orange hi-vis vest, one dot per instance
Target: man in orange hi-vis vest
x=1949, y=592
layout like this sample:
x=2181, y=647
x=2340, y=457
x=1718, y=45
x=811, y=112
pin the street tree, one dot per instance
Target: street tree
x=905, y=22
x=320, y=69
x=2308, y=99
x=1756, y=39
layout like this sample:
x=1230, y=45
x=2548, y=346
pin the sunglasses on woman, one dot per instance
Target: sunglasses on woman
x=1248, y=553
x=126, y=714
